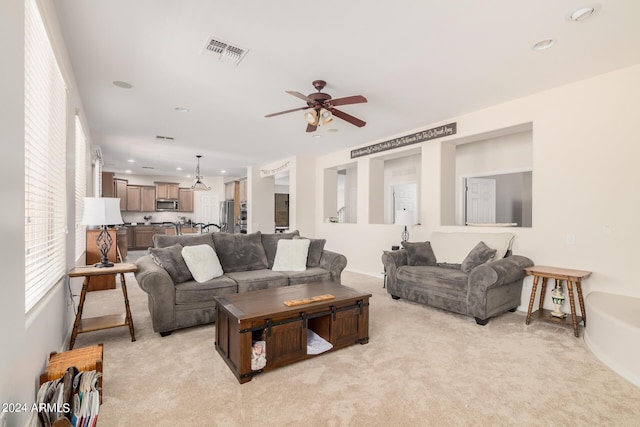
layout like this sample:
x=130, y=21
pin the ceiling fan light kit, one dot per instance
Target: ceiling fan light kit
x=321, y=107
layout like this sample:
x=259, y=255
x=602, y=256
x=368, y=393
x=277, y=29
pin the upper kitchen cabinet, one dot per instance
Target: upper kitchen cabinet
x=141, y=198
x=230, y=190
x=108, y=186
x=185, y=200
x=120, y=187
x=115, y=187
x=167, y=190
x=243, y=190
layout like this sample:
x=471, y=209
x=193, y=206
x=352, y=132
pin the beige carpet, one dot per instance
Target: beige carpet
x=422, y=366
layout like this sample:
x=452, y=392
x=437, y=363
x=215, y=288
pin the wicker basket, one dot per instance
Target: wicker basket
x=84, y=359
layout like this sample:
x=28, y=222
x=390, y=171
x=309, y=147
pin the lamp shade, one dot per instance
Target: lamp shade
x=101, y=211
x=404, y=217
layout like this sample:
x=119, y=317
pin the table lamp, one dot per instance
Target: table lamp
x=102, y=211
x=404, y=217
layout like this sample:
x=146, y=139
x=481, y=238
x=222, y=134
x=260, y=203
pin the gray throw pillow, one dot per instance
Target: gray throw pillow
x=480, y=254
x=170, y=258
x=240, y=252
x=270, y=244
x=419, y=253
x=315, y=252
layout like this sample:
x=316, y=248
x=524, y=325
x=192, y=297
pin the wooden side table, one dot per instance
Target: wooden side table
x=559, y=274
x=102, y=322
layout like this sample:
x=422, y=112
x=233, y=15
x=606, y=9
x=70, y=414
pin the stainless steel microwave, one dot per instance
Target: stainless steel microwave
x=168, y=205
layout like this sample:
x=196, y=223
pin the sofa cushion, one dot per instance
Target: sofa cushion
x=454, y=247
x=270, y=244
x=310, y=275
x=315, y=252
x=164, y=240
x=256, y=280
x=480, y=254
x=419, y=253
x=291, y=255
x=170, y=258
x=203, y=262
x=192, y=292
x=441, y=281
x=240, y=252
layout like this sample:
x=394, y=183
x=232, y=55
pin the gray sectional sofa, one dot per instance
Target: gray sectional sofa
x=468, y=273
x=177, y=301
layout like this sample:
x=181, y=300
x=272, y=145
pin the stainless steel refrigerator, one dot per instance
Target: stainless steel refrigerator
x=227, y=217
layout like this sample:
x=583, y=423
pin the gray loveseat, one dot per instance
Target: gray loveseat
x=458, y=273
x=177, y=301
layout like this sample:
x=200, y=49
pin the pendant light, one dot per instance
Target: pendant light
x=199, y=185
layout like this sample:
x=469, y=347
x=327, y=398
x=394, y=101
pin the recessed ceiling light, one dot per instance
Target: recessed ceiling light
x=178, y=168
x=128, y=171
x=582, y=14
x=123, y=85
x=316, y=136
x=182, y=109
x=188, y=175
x=223, y=171
x=131, y=161
x=543, y=44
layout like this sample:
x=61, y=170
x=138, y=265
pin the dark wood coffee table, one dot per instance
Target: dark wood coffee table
x=242, y=319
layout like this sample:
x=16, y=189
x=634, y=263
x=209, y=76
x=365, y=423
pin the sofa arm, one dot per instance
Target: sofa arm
x=159, y=286
x=500, y=272
x=334, y=262
x=392, y=260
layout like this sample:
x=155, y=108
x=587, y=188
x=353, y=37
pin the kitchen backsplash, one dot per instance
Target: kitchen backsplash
x=138, y=217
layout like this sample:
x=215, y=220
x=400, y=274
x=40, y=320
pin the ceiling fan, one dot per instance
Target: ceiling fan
x=322, y=107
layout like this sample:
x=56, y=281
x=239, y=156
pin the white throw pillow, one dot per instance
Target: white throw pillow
x=291, y=255
x=203, y=262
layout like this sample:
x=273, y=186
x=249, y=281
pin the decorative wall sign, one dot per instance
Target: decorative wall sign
x=269, y=172
x=414, y=138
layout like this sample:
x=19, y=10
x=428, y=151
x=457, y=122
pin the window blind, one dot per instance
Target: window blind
x=45, y=161
x=81, y=187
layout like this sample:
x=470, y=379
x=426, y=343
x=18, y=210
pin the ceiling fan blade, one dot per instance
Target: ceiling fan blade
x=287, y=111
x=299, y=95
x=348, y=117
x=355, y=99
x=311, y=128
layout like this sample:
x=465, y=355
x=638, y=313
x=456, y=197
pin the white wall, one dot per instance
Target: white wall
x=28, y=338
x=260, y=202
x=584, y=155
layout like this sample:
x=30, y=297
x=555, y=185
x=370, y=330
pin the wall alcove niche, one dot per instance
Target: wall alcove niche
x=341, y=194
x=490, y=177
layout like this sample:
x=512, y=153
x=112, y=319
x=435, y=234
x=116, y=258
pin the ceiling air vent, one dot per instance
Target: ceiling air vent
x=225, y=51
x=164, y=138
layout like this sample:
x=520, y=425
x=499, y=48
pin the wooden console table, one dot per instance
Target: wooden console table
x=102, y=322
x=559, y=274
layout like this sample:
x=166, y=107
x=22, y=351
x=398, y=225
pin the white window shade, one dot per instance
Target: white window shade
x=81, y=188
x=45, y=161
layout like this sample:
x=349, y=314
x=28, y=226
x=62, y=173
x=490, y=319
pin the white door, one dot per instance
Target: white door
x=481, y=201
x=206, y=207
x=404, y=196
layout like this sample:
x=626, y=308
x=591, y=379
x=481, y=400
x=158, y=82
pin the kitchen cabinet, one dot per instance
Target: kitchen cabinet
x=143, y=235
x=131, y=237
x=122, y=242
x=243, y=191
x=230, y=190
x=134, y=198
x=108, y=188
x=185, y=200
x=141, y=198
x=120, y=186
x=167, y=190
x=148, y=198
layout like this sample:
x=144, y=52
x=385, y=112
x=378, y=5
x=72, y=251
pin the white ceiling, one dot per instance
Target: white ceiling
x=417, y=63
